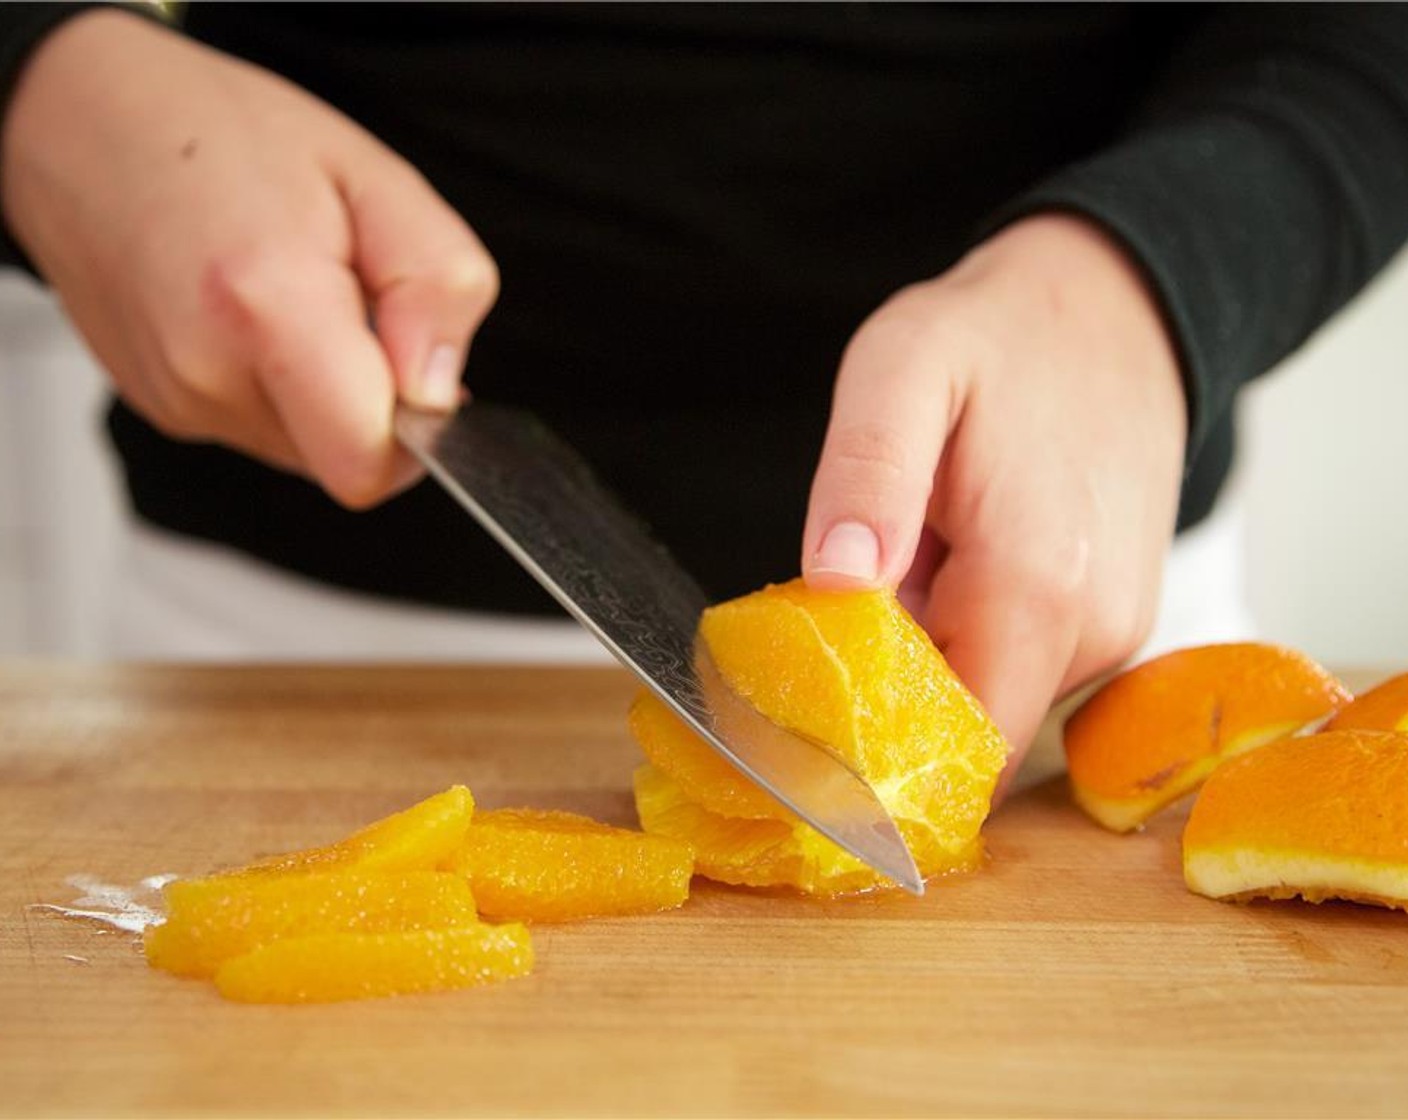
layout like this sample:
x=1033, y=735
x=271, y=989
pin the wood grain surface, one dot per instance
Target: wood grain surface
x=1073, y=975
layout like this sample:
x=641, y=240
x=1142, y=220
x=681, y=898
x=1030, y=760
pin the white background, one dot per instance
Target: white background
x=1321, y=477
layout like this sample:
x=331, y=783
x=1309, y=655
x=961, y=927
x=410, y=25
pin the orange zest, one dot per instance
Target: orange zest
x=546, y=866
x=1155, y=732
x=1320, y=816
x=1383, y=708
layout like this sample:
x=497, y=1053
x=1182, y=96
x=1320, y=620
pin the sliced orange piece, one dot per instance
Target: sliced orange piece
x=749, y=852
x=419, y=838
x=549, y=866
x=340, y=966
x=1156, y=731
x=208, y=921
x=1383, y=708
x=851, y=670
x=1320, y=816
x=671, y=746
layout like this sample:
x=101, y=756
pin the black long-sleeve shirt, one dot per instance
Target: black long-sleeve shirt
x=693, y=207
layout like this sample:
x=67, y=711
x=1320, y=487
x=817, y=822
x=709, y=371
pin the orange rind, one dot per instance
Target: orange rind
x=547, y=866
x=1383, y=708
x=851, y=670
x=209, y=921
x=345, y=966
x=1155, y=732
x=1319, y=816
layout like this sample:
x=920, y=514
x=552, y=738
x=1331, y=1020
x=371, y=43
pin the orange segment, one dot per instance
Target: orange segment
x=851, y=670
x=747, y=852
x=1383, y=708
x=342, y=966
x=208, y=921
x=1155, y=732
x=1323, y=816
x=673, y=747
x=545, y=866
x=421, y=837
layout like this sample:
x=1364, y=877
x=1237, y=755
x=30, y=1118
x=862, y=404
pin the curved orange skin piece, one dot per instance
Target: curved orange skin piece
x=1383, y=708
x=344, y=966
x=539, y=865
x=1319, y=816
x=1155, y=732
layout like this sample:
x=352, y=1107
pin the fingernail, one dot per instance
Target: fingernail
x=849, y=549
x=440, y=379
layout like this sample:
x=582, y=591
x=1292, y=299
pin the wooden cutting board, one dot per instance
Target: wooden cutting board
x=1073, y=975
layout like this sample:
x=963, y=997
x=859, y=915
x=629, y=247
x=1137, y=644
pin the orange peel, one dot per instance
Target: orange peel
x=1383, y=708
x=1155, y=732
x=1318, y=816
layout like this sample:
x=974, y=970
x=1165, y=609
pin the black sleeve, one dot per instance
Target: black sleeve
x=1261, y=186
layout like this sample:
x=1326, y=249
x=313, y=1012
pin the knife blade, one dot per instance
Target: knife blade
x=541, y=501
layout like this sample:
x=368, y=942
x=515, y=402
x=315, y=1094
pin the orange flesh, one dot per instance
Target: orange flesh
x=853, y=671
x=208, y=921
x=423, y=836
x=343, y=966
x=544, y=866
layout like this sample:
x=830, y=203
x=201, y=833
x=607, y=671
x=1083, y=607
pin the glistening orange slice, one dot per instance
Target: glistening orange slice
x=546, y=866
x=208, y=921
x=1322, y=816
x=418, y=838
x=854, y=671
x=1155, y=732
x=342, y=966
x=1383, y=708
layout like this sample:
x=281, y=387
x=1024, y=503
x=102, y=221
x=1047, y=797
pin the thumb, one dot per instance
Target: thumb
x=429, y=280
x=890, y=416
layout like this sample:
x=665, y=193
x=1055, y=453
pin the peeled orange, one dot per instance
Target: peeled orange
x=1319, y=816
x=423, y=836
x=851, y=670
x=1156, y=731
x=342, y=966
x=208, y=921
x=548, y=866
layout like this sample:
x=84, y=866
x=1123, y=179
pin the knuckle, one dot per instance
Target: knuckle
x=871, y=465
x=471, y=274
x=1054, y=579
x=237, y=287
x=871, y=449
x=353, y=485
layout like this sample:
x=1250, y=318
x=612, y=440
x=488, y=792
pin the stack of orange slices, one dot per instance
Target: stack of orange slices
x=850, y=670
x=392, y=909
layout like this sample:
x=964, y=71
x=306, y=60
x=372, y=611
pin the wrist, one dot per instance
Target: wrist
x=39, y=108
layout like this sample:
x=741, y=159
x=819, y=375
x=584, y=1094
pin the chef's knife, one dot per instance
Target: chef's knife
x=540, y=500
